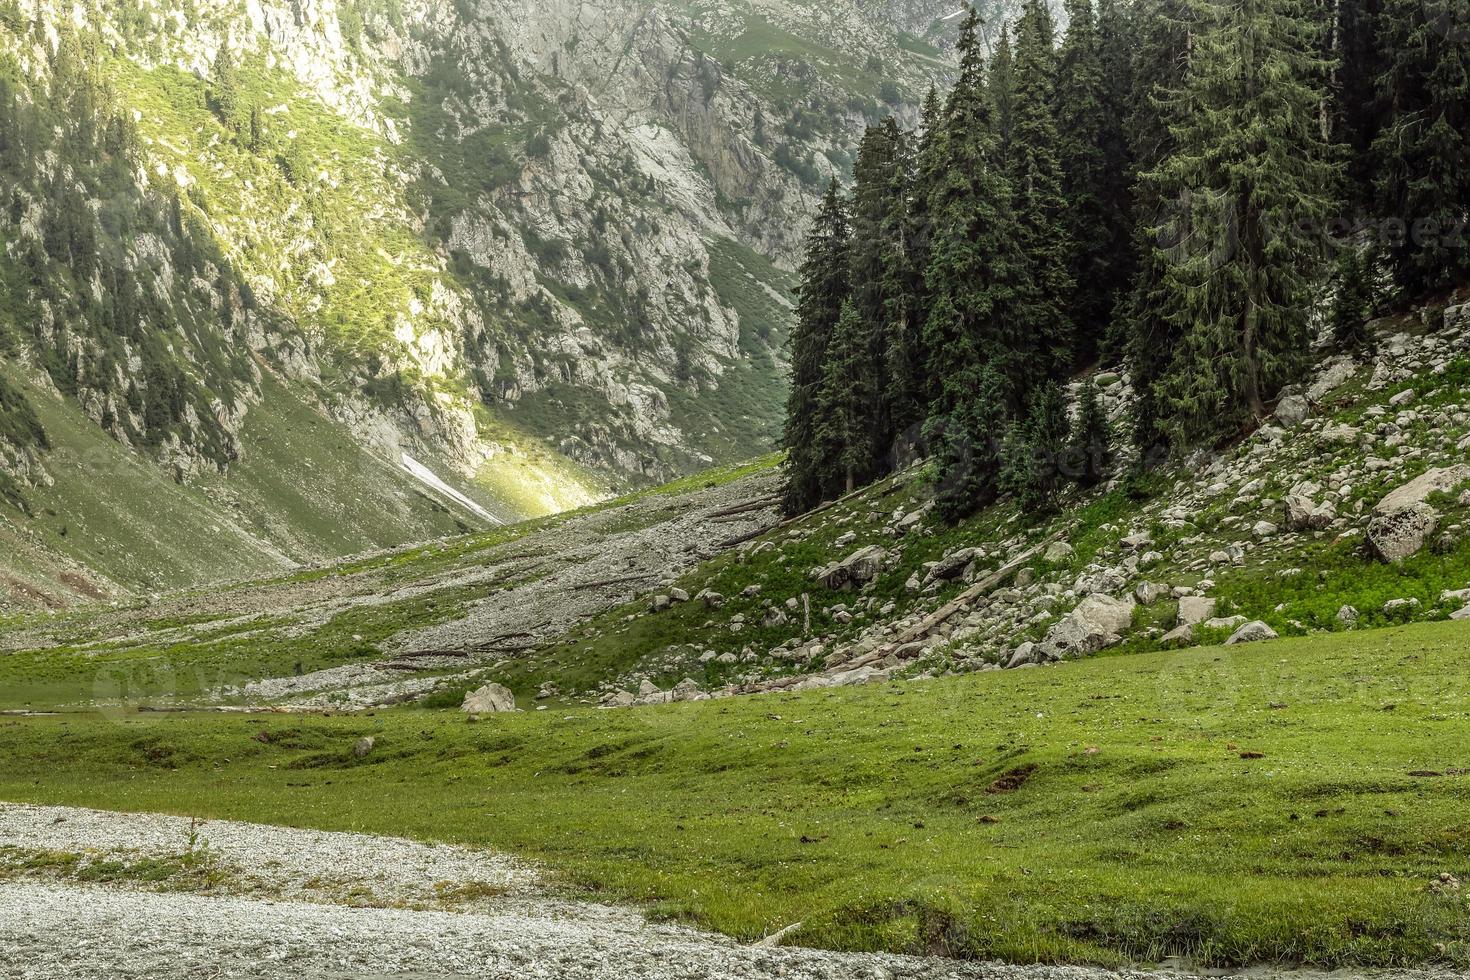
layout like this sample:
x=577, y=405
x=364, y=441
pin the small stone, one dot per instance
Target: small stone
x=1400, y=607
x=1059, y=552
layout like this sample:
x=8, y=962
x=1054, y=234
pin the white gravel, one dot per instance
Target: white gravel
x=62, y=929
x=290, y=861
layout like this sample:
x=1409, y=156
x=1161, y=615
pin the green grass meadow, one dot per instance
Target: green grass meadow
x=1286, y=802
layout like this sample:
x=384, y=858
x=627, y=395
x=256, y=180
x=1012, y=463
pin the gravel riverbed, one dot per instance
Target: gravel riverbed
x=271, y=918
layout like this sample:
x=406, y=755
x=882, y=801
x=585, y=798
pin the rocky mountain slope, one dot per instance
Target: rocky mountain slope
x=1348, y=512
x=540, y=251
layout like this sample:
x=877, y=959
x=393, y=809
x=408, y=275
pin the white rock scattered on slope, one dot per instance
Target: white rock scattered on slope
x=1252, y=632
x=1195, y=609
x=1098, y=622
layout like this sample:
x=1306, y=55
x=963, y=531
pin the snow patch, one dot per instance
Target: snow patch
x=427, y=477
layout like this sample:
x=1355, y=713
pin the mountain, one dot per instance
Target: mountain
x=289, y=280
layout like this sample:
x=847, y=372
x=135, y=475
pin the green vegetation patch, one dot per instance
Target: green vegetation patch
x=1288, y=802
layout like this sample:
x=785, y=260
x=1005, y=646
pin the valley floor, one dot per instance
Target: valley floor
x=400, y=909
x=1299, y=802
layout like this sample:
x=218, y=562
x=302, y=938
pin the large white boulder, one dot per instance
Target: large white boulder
x=1253, y=632
x=1403, y=521
x=1400, y=535
x=1196, y=609
x=1421, y=488
x=1292, y=411
x=857, y=568
x=1097, y=623
x=488, y=700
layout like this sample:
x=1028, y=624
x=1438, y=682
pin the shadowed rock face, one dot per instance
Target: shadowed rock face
x=1403, y=521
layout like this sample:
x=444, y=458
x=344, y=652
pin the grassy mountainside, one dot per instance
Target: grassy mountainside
x=543, y=253
x=1272, y=530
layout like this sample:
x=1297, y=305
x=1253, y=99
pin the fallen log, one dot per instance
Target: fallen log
x=774, y=939
x=962, y=601
x=758, y=503
x=517, y=635
x=742, y=538
x=737, y=517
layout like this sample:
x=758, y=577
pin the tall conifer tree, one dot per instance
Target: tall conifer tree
x=1036, y=179
x=1423, y=151
x=883, y=284
x=1002, y=87
x=845, y=433
x=1248, y=174
x=1094, y=163
x=1162, y=34
x=823, y=291
x=976, y=271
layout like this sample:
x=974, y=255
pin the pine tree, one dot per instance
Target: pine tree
x=976, y=273
x=1094, y=161
x=1001, y=85
x=1423, y=151
x=1043, y=317
x=901, y=337
x=928, y=175
x=1090, y=455
x=1162, y=33
x=1354, y=297
x=255, y=140
x=968, y=459
x=881, y=281
x=845, y=431
x=1037, y=450
x=1248, y=175
x=1359, y=107
x=824, y=289
x=224, y=87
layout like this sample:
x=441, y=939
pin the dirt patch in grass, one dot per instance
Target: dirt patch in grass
x=1013, y=779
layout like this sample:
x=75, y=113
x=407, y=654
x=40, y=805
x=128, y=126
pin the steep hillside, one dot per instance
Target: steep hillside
x=541, y=251
x=1349, y=513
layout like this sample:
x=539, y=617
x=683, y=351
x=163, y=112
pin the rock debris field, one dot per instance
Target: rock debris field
x=286, y=903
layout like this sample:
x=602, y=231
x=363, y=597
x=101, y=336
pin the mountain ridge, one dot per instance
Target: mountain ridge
x=544, y=252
